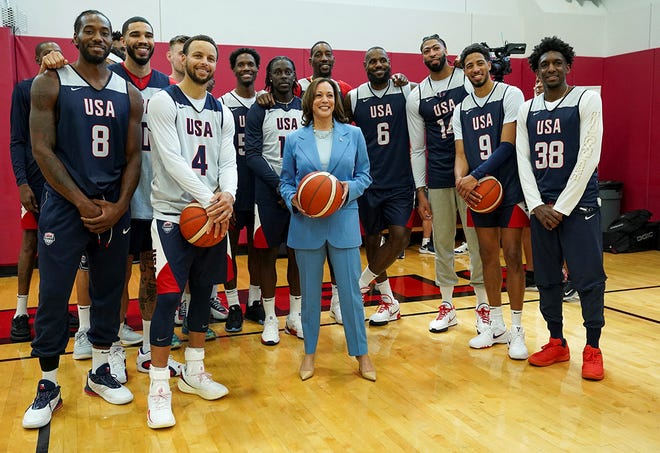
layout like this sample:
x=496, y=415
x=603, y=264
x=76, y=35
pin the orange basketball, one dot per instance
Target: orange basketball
x=319, y=194
x=490, y=190
x=193, y=225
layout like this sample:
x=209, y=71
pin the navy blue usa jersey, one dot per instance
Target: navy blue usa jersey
x=554, y=142
x=481, y=128
x=91, y=131
x=382, y=119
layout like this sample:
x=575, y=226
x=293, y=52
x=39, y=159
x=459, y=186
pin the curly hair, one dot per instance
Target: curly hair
x=234, y=56
x=548, y=44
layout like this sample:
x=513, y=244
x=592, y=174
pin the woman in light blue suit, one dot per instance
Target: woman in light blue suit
x=326, y=143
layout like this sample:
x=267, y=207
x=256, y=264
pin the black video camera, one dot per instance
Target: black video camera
x=499, y=58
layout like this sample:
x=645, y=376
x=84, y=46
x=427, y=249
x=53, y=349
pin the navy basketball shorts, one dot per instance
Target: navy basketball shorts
x=503, y=217
x=380, y=208
x=140, y=237
x=178, y=261
x=271, y=222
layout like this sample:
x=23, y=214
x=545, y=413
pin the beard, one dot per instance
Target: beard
x=437, y=67
x=92, y=58
x=140, y=60
x=380, y=80
x=194, y=78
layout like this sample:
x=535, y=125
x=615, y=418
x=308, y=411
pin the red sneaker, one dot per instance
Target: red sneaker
x=550, y=353
x=592, y=364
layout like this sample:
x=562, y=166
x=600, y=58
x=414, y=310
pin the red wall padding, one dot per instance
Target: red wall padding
x=630, y=88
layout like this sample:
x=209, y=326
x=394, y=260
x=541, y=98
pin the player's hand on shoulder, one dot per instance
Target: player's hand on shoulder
x=399, y=79
x=53, y=60
x=265, y=99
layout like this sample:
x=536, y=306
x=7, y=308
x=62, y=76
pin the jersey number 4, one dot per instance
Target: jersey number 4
x=199, y=161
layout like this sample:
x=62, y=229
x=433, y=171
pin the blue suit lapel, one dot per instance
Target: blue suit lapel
x=307, y=145
x=340, y=141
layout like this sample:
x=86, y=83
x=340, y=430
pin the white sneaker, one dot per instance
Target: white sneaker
x=489, y=335
x=159, y=409
x=82, y=348
x=388, y=310
x=117, y=361
x=461, y=249
x=271, y=334
x=517, y=348
x=201, y=384
x=47, y=401
x=218, y=311
x=445, y=319
x=294, y=326
x=129, y=337
x=482, y=313
x=335, y=310
x=102, y=383
x=143, y=363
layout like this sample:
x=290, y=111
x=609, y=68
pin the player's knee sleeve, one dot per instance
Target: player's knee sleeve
x=199, y=310
x=162, y=322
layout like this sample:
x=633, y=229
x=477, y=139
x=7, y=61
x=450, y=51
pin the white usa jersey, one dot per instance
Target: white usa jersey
x=193, y=151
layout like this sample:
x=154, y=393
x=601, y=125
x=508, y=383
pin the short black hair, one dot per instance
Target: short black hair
x=434, y=36
x=116, y=35
x=549, y=44
x=39, y=47
x=475, y=48
x=205, y=38
x=77, y=25
x=311, y=50
x=132, y=20
x=248, y=50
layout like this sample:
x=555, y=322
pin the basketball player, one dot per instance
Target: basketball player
x=244, y=63
x=175, y=57
x=379, y=109
x=558, y=144
x=30, y=182
x=322, y=60
x=90, y=178
x=193, y=159
x=138, y=37
x=485, y=135
x=430, y=108
x=265, y=132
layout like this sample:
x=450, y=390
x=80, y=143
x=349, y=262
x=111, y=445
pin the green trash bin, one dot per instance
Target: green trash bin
x=610, y=193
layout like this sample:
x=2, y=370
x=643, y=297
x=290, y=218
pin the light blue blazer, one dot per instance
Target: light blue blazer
x=349, y=162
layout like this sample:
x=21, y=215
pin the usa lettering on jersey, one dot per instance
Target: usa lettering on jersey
x=198, y=128
x=99, y=107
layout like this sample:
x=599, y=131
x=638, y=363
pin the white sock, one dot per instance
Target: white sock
x=99, y=357
x=385, y=290
x=335, y=294
x=214, y=292
x=254, y=294
x=516, y=318
x=425, y=241
x=232, y=297
x=146, y=331
x=83, y=317
x=294, y=305
x=480, y=291
x=159, y=379
x=447, y=293
x=21, y=305
x=194, y=360
x=496, y=316
x=269, y=306
x=367, y=277
x=50, y=375
x=121, y=327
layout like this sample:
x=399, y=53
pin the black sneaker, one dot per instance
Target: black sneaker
x=47, y=401
x=255, y=312
x=20, y=329
x=570, y=293
x=427, y=249
x=234, y=319
x=530, y=285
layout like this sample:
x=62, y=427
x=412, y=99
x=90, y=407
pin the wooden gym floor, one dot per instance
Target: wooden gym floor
x=433, y=392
